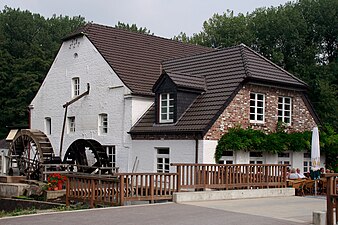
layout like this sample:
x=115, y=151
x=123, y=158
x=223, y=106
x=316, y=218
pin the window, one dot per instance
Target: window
x=227, y=157
x=103, y=123
x=256, y=158
x=111, y=155
x=75, y=86
x=162, y=160
x=48, y=125
x=257, y=105
x=284, y=109
x=307, y=162
x=71, y=124
x=166, y=108
x=284, y=158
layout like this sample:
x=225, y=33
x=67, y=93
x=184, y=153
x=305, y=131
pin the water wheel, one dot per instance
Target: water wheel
x=29, y=149
x=88, y=155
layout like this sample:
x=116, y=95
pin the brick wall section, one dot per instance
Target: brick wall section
x=237, y=112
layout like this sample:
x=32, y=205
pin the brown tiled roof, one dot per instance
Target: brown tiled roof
x=136, y=58
x=224, y=71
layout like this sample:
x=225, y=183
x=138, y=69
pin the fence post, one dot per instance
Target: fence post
x=178, y=170
x=121, y=189
x=152, y=188
x=92, y=197
x=67, y=191
x=329, y=214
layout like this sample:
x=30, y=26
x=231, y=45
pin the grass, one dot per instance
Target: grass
x=20, y=211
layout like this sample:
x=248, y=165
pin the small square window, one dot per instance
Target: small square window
x=75, y=87
x=71, y=124
x=103, y=123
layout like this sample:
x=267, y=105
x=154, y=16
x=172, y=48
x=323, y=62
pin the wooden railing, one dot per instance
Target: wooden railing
x=92, y=189
x=147, y=186
x=121, y=188
x=331, y=197
x=226, y=177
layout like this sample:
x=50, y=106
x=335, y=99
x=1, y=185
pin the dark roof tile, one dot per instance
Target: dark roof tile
x=224, y=72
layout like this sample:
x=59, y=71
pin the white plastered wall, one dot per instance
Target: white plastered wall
x=145, y=153
x=108, y=94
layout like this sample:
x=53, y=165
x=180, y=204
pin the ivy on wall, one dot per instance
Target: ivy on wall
x=239, y=139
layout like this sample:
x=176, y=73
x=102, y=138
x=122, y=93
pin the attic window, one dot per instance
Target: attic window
x=166, y=108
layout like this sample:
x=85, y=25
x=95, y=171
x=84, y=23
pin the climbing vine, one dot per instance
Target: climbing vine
x=239, y=139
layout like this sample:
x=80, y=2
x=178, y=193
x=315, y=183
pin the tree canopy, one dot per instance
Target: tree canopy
x=301, y=37
x=28, y=45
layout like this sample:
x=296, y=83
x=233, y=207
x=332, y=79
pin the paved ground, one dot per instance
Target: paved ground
x=263, y=211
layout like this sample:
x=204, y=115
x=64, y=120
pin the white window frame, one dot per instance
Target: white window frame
x=71, y=124
x=255, y=159
x=48, y=125
x=167, y=106
x=282, y=109
x=256, y=101
x=75, y=86
x=103, y=123
x=227, y=158
x=111, y=153
x=285, y=159
x=162, y=160
x=307, y=163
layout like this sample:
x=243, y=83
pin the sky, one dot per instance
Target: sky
x=165, y=18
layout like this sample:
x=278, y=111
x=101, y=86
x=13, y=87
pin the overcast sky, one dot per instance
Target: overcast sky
x=164, y=18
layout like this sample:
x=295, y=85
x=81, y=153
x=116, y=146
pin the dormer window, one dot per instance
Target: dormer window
x=166, y=108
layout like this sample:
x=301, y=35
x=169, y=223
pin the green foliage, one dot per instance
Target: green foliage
x=239, y=139
x=133, y=28
x=329, y=145
x=299, y=36
x=28, y=45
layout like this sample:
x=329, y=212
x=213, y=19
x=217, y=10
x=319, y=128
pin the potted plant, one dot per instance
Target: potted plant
x=56, y=181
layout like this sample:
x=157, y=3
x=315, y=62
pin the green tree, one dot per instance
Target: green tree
x=133, y=28
x=28, y=45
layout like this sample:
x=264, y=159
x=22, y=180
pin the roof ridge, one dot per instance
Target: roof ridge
x=273, y=64
x=148, y=35
x=244, y=59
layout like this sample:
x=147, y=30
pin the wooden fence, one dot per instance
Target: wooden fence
x=331, y=197
x=120, y=188
x=227, y=177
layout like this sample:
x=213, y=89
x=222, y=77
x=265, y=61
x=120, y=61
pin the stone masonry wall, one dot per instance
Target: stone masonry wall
x=237, y=112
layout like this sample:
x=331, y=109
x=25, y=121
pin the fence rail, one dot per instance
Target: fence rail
x=227, y=177
x=331, y=198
